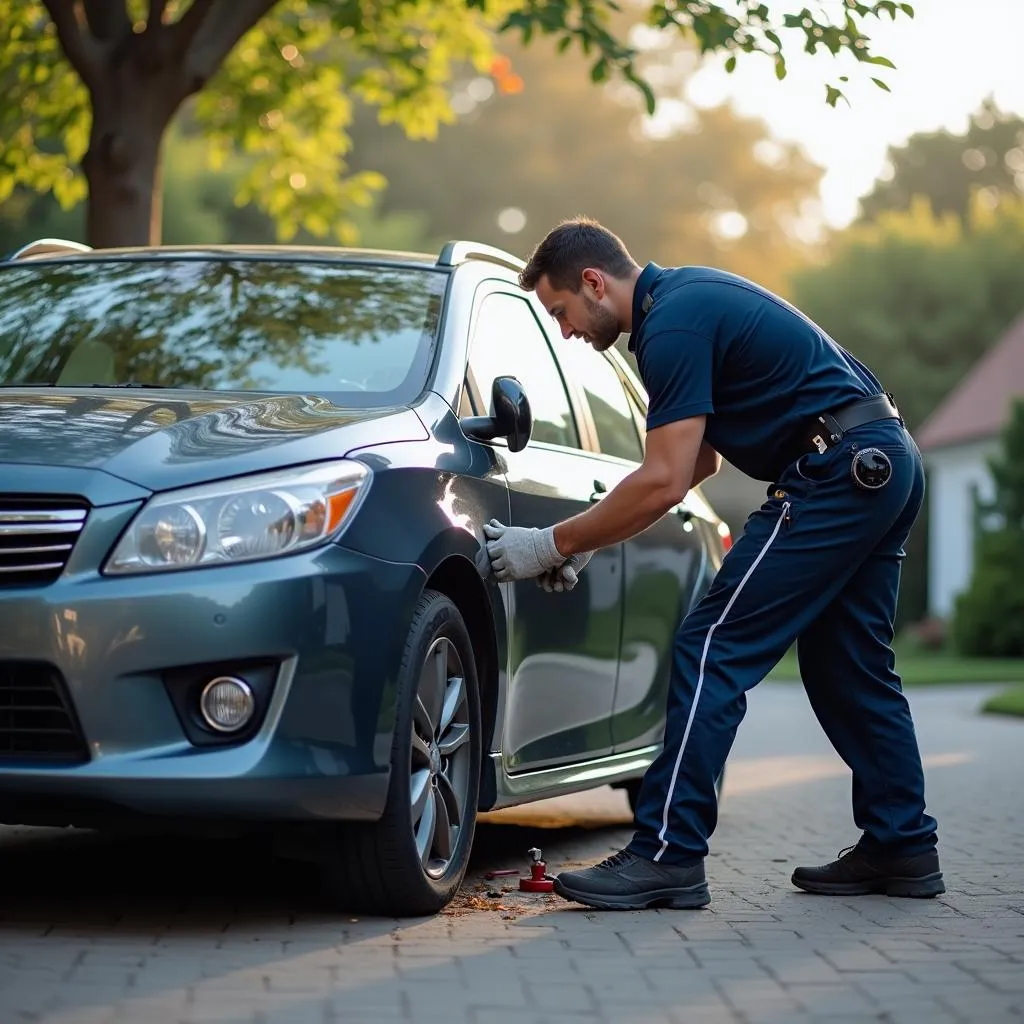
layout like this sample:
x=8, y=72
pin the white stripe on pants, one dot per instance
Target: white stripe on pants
x=700, y=680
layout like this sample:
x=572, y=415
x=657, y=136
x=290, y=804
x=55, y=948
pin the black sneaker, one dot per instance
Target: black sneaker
x=857, y=873
x=627, y=882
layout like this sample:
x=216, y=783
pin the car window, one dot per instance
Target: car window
x=509, y=342
x=365, y=333
x=466, y=401
x=640, y=418
x=609, y=404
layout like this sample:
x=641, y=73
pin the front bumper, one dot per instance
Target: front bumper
x=327, y=627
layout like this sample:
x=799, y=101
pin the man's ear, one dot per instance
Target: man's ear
x=595, y=279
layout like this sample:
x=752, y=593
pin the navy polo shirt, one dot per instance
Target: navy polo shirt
x=712, y=343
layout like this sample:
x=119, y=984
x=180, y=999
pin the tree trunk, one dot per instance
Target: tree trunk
x=136, y=82
x=122, y=165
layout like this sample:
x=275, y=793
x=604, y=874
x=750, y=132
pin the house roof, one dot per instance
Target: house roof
x=979, y=406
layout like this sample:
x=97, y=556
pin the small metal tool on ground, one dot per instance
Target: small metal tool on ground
x=538, y=880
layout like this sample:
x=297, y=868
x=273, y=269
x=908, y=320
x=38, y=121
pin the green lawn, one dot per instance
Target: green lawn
x=918, y=668
x=1009, y=702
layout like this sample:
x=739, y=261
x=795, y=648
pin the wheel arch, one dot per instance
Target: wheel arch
x=458, y=580
x=451, y=566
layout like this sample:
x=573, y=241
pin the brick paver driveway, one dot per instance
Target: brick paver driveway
x=219, y=931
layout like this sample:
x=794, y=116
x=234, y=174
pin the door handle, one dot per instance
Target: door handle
x=600, y=490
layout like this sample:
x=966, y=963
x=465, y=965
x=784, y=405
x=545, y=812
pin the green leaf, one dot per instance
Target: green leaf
x=45, y=116
x=832, y=95
x=650, y=101
x=881, y=84
x=291, y=118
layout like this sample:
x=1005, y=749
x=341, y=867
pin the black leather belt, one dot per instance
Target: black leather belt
x=827, y=430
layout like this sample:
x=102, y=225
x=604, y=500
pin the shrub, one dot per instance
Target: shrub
x=989, y=615
x=929, y=634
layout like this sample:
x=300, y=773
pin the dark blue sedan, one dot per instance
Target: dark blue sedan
x=242, y=573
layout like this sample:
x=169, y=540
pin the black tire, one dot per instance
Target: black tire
x=632, y=788
x=378, y=869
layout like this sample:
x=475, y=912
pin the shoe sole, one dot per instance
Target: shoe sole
x=689, y=897
x=920, y=887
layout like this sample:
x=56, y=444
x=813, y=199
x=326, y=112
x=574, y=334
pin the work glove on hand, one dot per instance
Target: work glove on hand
x=564, y=577
x=520, y=552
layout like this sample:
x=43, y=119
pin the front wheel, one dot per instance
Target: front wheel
x=412, y=861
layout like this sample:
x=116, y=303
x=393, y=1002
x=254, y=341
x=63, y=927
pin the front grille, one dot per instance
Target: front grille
x=36, y=538
x=36, y=718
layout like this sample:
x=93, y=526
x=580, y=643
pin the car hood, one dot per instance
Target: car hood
x=164, y=438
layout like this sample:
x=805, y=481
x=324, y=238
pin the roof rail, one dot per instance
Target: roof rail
x=457, y=252
x=46, y=247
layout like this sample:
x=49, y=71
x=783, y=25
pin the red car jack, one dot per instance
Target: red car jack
x=539, y=880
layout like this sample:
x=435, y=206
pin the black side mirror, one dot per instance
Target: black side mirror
x=510, y=416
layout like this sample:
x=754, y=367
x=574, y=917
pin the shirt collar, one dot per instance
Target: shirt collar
x=642, y=300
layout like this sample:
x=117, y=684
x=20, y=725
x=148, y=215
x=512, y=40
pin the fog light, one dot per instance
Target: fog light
x=227, y=703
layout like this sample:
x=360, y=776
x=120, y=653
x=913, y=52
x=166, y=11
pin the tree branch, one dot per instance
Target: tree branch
x=79, y=46
x=108, y=20
x=185, y=29
x=221, y=23
x=156, y=14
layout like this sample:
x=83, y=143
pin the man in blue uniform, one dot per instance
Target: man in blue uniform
x=733, y=371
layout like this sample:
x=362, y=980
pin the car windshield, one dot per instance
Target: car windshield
x=365, y=333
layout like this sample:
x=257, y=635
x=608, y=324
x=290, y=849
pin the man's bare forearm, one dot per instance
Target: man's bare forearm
x=635, y=503
x=709, y=462
x=641, y=498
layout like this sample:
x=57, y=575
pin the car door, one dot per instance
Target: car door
x=662, y=564
x=563, y=647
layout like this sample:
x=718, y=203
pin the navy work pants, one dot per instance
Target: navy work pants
x=818, y=563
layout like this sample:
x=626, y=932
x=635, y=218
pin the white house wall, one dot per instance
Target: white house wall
x=953, y=475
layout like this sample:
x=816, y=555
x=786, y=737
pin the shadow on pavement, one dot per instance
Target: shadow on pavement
x=141, y=882
x=145, y=922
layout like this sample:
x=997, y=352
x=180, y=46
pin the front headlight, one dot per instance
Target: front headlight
x=241, y=520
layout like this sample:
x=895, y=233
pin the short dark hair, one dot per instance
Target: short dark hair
x=568, y=249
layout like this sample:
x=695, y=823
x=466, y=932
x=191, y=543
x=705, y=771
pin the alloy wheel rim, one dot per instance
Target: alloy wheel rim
x=440, y=769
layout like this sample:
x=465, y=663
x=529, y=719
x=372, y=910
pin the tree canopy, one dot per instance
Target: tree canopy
x=91, y=86
x=704, y=186
x=922, y=288
x=920, y=297
x=947, y=168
